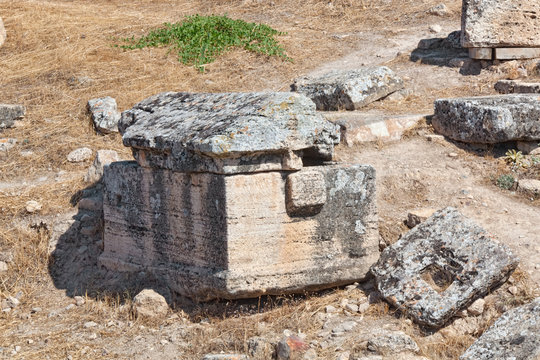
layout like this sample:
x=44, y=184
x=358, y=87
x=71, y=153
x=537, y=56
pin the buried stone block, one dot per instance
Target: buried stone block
x=233, y=197
x=440, y=267
x=515, y=335
x=348, y=90
x=489, y=119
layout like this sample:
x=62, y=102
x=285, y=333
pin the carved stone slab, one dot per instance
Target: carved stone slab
x=441, y=266
x=227, y=133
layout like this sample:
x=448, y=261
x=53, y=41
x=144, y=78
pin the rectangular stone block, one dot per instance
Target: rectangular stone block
x=233, y=236
x=500, y=23
x=481, y=53
x=517, y=53
x=517, y=87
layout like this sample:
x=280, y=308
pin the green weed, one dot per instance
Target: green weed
x=506, y=181
x=198, y=40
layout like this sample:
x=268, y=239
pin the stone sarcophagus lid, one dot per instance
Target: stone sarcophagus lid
x=235, y=195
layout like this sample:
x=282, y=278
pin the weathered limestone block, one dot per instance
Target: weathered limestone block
x=500, y=23
x=10, y=113
x=517, y=87
x=489, y=119
x=232, y=236
x=348, y=90
x=440, y=267
x=515, y=335
x=105, y=114
x=227, y=133
x=359, y=127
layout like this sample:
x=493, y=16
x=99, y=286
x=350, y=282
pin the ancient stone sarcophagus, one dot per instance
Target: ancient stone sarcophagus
x=235, y=195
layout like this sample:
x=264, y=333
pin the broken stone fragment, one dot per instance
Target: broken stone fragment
x=149, y=304
x=7, y=144
x=440, y=267
x=385, y=342
x=79, y=155
x=105, y=114
x=103, y=158
x=348, y=90
x=10, y=113
x=417, y=216
x=489, y=119
x=227, y=133
x=232, y=236
x=530, y=187
x=515, y=335
x=500, y=23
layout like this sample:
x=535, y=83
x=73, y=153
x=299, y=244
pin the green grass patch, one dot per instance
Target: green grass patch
x=198, y=40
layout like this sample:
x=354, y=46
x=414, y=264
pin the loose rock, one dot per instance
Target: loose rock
x=10, y=113
x=3, y=266
x=439, y=10
x=103, y=158
x=7, y=144
x=104, y=114
x=489, y=119
x=477, y=307
x=392, y=342
x=415, y=217
x=530, y=187
x=348, y=90
x=441, y=266
x=33, y=206
x=79, y=155
x=435, y=29
x=150, y=304
x=517, y=87
x=515, y=335
x=290, y=346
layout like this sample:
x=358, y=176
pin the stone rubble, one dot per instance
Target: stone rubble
x=517, y=87
x=103, y=158
x=7, y=144
x=150, y=304
x=10, y=113
x=385, y=342
x=530, y=187
x=439, y=10
x=515, y=335
x=348, y=90
x=440, y=267
x=489, y=119
x=415, y=217
x=79, y=155
x=105, y=114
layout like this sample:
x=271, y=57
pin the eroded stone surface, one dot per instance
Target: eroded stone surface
x=386, y=342
x=441, y=266
x=517, y=87
x=348, y=90
x=227, y=133
x=10, y=113
x=515, y=335
x=489, y=119
x=231, y=236
x=105, y=114
x=499, y=23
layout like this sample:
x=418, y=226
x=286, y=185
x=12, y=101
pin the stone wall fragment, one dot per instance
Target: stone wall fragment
x=440, y=267
x=489, y=119
x=348, y=90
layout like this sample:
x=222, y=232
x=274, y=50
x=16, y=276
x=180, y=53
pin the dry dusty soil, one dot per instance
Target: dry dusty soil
x=58, y=56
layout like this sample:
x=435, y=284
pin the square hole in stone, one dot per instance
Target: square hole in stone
x=438, y=278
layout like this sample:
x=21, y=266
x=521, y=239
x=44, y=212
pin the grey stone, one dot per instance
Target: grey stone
x=227, y=133
x=260, y=348
x=289, y=346
x=417, y=216
x=103, y=158
x=348, y=90
x=440, y=267
x=7, y=144
x=530, y=187
x=105, y=114
x=10, y=113
x=385, y=342
x=517, y=87
x=489, y=119
x=306, y=192
x=439, y=10
x=231, y=236
x=225, y=357
x=515, y=335
x=3, y=34
x=500, y=23
x=149, y=304
x=79, y=155
x=516, y=53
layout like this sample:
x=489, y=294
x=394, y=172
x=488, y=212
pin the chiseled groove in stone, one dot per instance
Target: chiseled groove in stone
x=201, y=132
x=489, y=119
x=448, y=241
